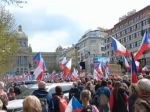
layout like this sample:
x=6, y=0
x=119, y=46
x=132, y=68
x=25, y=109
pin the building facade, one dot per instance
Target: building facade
x=90, y=45
x=129, y=31
x=23, y=60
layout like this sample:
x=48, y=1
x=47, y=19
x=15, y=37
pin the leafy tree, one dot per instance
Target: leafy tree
x=13, y=2
x=8, y=39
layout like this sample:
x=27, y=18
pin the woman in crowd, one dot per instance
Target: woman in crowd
x=32, y=104
x=11, y=94
x=3, y=96
x=132, y=97
x=120, y=98
x=85, y=97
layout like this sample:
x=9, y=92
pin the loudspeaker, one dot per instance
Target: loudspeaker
x=82, y=64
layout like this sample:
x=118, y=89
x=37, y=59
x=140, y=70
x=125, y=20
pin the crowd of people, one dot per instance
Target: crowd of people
x=104, y=95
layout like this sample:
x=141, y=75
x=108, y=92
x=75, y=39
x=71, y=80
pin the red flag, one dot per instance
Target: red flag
x=62, y=63
x=145, y=45
x=96, y=75
x=133, y=71
x=41, y=68
x=119, y=48
x=67, y=68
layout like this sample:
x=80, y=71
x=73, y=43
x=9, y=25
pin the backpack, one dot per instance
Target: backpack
x=62, y=104
x=87, y=109
x=44, y=104
x=103, y=99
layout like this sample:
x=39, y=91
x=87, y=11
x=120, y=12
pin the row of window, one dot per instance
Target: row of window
x=21, y=70
x=134, y=20
x=132, y=28
x=133, y=45
x=127, y=38
x=22, y=60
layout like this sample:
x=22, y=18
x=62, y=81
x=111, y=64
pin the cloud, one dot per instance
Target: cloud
x=49, y=40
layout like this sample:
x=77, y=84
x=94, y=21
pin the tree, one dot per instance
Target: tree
x=13, y=2
x=8, y=39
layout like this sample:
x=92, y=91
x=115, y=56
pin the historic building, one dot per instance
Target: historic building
x=89, y=46
x=23, y=59
x=129, y=31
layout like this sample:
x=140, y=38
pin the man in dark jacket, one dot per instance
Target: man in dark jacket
x=41, y=92
x=74, y=91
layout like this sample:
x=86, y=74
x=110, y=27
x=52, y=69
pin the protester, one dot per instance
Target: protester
x=3, y=96
x=132, y=97
x=102, y=97
x=32, y=104
x=59, y=103
x=74, y=91
x=85, y=97
x=142, y=104
x=17, y=89
x=11, y=94
x=43, y=95
x=120, y=98
x=89, y=86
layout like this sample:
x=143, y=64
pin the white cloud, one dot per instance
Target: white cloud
x=48, y=41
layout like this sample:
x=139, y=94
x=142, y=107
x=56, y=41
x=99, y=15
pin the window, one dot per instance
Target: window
x=102, y=48
x=138, y=43
x=130, y=37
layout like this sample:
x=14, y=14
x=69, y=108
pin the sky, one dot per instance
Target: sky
x=53, y=23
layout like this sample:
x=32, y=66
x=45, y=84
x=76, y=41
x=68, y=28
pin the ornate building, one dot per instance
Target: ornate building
x=23, y=60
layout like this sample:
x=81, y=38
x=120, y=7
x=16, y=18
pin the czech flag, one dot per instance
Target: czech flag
x=133, y=71
x=41, y=68
x=37, y=58
x=119, y=48
x=74, y=105
x=125, y=62
x=145, y=45
x=74, y=75
x=96, y=75
x=67, y=68
x=99, y=69
x=62, y=63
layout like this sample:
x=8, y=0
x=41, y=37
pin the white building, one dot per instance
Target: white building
x=90, y=45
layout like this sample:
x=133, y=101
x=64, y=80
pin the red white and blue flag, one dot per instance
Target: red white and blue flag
x=145, y=45
x=62, y=63
x=125, y=62
x=133, y=70
x=74, y=74
x=73, y=105
x=96, y=75
x=99, y=69
x=119, y=48
x=41, y=68
x=67, y=68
